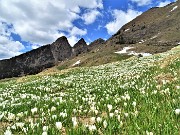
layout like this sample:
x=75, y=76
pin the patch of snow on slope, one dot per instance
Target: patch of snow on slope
x=154, y=37
x=127, y=30
x=142, y=41
x=77, y=63
x=124, y=50
x=174, y=8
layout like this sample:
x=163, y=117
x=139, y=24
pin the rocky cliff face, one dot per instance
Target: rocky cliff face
x=41, y=58
x=79, y=47
x=61, y=49
x=28, y=63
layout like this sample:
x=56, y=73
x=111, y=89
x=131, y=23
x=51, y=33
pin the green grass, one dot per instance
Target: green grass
x=143, y=98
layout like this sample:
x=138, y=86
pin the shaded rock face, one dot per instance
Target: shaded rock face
x=28, y=63
x=41, y=58
x=61, y=49
x=79, y=47
x=95, y=44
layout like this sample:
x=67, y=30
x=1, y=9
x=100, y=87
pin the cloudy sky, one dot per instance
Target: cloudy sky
x=26, y=25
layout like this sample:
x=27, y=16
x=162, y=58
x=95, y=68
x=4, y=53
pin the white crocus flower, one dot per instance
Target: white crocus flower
x=134, y=104
x=126, y=114
x=109, y=107
x=99, y=119
x=8, y=132
x=92, y=128
x=105, y=124
x=75, y=124
x=59, y=125
x=34, y=110
x=54, y=117
x=44, y=133
x=149, y=133
x=45, y=128
x=11, y=116
x=53, y=109
x=111, y=115
x=93, y=120
x=20, y=124
x=177, y=111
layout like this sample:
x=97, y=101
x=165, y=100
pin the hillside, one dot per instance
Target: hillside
x=133, y=96
x=155, y=31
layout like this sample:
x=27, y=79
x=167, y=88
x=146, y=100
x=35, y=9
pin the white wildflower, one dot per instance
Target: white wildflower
x=134, y=104
x=11, y=116
x=44, y=133
x=105, y=123
x=92, y=128
x=59, y=125
x=45, y=128
x=93, y=120
x=111, y=115
x=109, y=107
x=54, y=117
x=99, y=119
x=8, y=132
x=149, y=133
x=20, y=124
x=177, y=111
x=34, y=110
x=53, y=109
x=126, y=114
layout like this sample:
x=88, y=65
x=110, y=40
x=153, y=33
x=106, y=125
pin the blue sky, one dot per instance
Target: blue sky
x=26, y=25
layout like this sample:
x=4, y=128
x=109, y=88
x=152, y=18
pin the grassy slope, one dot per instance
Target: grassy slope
x=143, y=92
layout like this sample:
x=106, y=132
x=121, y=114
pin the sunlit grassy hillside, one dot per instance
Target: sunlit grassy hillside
x=133, y=96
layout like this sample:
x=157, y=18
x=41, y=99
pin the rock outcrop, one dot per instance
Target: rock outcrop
x=79, y=47
x=35, y=61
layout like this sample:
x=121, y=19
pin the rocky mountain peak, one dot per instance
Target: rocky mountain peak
x=79, y=47
x=81, y=43
x=61, y=39
x=96, y=43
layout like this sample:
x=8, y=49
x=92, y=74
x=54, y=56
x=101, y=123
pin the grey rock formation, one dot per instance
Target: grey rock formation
x=79, y=47
x=41, y=58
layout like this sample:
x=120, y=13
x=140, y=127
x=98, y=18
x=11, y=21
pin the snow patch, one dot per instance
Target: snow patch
x=77, y=63
x=142, y=41
x=174, y=8
x=179, y=43
x=154, y=37
x=127, y=30
x=124, y=50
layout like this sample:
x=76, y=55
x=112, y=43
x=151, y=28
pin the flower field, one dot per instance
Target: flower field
x=134, y=96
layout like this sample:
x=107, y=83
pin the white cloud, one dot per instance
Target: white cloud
x=9, y=48
x=39, y=22
x=91, y=16
x=73, y=40
x=142, y=2
x=162, y=4
x=76, y=31
x=120, y=18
